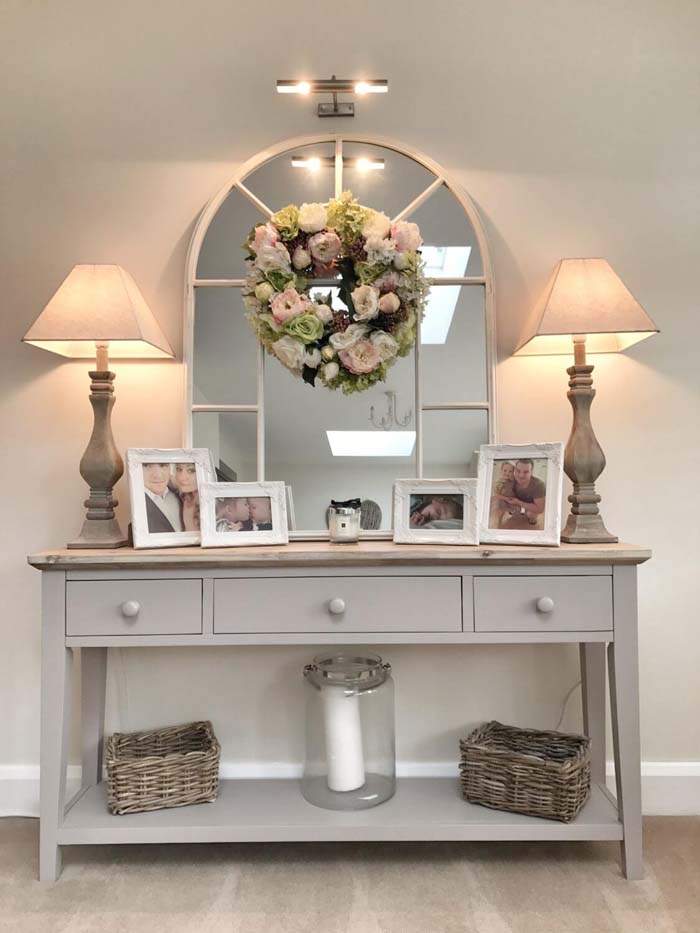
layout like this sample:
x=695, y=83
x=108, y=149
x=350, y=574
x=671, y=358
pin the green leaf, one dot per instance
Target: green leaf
x=309, y=375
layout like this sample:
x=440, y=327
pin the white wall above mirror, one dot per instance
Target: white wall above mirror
x=261, y=422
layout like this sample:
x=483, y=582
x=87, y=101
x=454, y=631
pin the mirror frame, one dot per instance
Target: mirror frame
x=192, y=283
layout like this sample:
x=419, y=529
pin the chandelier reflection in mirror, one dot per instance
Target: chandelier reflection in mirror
x=260, y=423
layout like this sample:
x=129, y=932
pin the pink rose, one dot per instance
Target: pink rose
x=325, y=246
x=265, y=235
x=406, y=236
x=361, y=357
x=288, y=304
x=389, y=303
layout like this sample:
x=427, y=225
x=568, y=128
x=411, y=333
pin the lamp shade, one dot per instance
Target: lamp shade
x=99, y=304
x=586, y=298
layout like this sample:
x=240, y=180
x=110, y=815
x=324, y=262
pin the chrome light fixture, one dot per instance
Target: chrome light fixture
x=335, y=86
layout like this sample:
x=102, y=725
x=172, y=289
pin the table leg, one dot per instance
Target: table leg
x=93, y=680
x=623, y=665
x=593, y=703
x=56, y=683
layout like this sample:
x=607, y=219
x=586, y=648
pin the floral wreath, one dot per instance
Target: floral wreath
x=381, y=284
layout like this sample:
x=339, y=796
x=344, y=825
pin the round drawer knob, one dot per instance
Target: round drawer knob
x=336, y=606
x=545, y=604
x=130, y=609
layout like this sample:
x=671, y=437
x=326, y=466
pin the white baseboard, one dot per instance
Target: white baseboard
x=669, y=788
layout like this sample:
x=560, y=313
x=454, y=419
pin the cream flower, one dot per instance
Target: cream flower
x=376, y=225
x=407, y=236
x=365, y=299
x=325, y=246
x=264, y=291
x=330, y=371
x=272, y=258
x=301, y=258
x=400, y=261
x=384, y=344
x=288, y=304
x=312, y=358
x=379, y=249
x=389, y=303
x=312, y=217
x=344, y=339
x=361, y=357
x=290, y=352
x=328, y=352
x=265, y=235
x=324, y=313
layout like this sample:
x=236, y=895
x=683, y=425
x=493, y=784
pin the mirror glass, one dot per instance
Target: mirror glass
x=322, y=444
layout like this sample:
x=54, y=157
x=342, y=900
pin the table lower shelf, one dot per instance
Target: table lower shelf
x=275, y=811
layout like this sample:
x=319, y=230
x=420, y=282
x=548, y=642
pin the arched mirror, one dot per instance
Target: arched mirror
x=260, y=422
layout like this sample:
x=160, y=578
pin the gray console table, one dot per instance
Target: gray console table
x=400, y=594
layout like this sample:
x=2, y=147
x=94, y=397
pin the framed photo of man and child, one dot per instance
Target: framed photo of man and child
x=519, y=493
x=435, y=511
x=240, y=514
x=164, y=486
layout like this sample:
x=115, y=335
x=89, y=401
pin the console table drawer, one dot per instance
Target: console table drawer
x=134, y=607
x=534, y=604
x=338, y=604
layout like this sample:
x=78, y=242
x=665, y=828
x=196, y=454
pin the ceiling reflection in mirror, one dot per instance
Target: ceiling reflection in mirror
x=322, y=444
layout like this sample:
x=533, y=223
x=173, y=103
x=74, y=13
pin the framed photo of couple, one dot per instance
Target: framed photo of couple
x=435, y=511
x=165, y=486
x=243, y=514
x=519, y=493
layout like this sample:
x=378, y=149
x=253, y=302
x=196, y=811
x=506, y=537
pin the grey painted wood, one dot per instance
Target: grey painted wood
x=93, y=682
x=166, y=607
x=56, y=667
x=372, y=604
x=593, y=704
x=623, y=667
x=509, y=604
x=274, y=810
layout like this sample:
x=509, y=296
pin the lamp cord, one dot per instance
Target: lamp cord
x=564, y=704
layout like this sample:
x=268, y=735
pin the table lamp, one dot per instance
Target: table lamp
x=588, y=307
x=97, y=310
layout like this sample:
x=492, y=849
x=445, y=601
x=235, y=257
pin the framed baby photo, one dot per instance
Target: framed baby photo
x=435, y=511
x=165, y=486
x=243, y=514
x=520, y=493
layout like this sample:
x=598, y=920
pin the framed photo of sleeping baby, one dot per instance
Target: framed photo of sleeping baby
x=240, y=514
x=435, y=511
x=520, y=493
x=164, y=486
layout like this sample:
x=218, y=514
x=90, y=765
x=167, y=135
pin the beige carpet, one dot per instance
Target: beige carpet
x=363, y=888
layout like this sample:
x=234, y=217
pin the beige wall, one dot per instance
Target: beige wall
x=572, y=125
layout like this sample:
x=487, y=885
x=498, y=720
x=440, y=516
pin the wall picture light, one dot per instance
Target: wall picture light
x=335, y=86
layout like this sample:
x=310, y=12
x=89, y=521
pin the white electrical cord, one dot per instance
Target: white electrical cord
x=568, y=696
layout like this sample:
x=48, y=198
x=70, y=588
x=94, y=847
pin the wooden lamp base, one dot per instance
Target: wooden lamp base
x=584, y=459
x=101, y=467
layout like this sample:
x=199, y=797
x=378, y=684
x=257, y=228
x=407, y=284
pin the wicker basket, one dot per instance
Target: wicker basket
x=160, y=768
x=545, y=774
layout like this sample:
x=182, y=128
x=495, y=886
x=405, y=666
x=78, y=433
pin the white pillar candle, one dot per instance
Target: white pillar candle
x=341, y=719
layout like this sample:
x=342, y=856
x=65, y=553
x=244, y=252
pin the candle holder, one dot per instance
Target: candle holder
x=350, y=757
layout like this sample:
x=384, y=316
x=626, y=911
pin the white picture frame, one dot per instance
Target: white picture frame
x=143, y=516
x=437, y=531
x=493, y=518
x=243, y=537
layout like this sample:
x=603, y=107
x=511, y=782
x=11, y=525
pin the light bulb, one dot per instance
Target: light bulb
x=361, y=87
x=303, y=87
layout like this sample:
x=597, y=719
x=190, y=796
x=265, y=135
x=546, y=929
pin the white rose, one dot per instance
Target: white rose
x=274, y=257
x=376, y=225
x=379, y=249
x=343, y=340
x=400, y=261
x=324, y=313
x=365, y=299
x=312, y=217
x=289, y=352
x=389, y=303
x=328, y=352
x=407, y=236
x=312, y=358
x=301, y=258
x=330, y=371
x=264, y=291
x=384, y=344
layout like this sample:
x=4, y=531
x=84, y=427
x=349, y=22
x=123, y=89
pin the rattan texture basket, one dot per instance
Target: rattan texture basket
x=171, y=767
x=545, y=774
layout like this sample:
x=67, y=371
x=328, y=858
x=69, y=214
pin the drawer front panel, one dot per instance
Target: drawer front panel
x=134, y=607
x=338, y=604
x=538, y=604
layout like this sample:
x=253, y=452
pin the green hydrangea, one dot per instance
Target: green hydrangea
x=287, y=221
x=347, y=216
